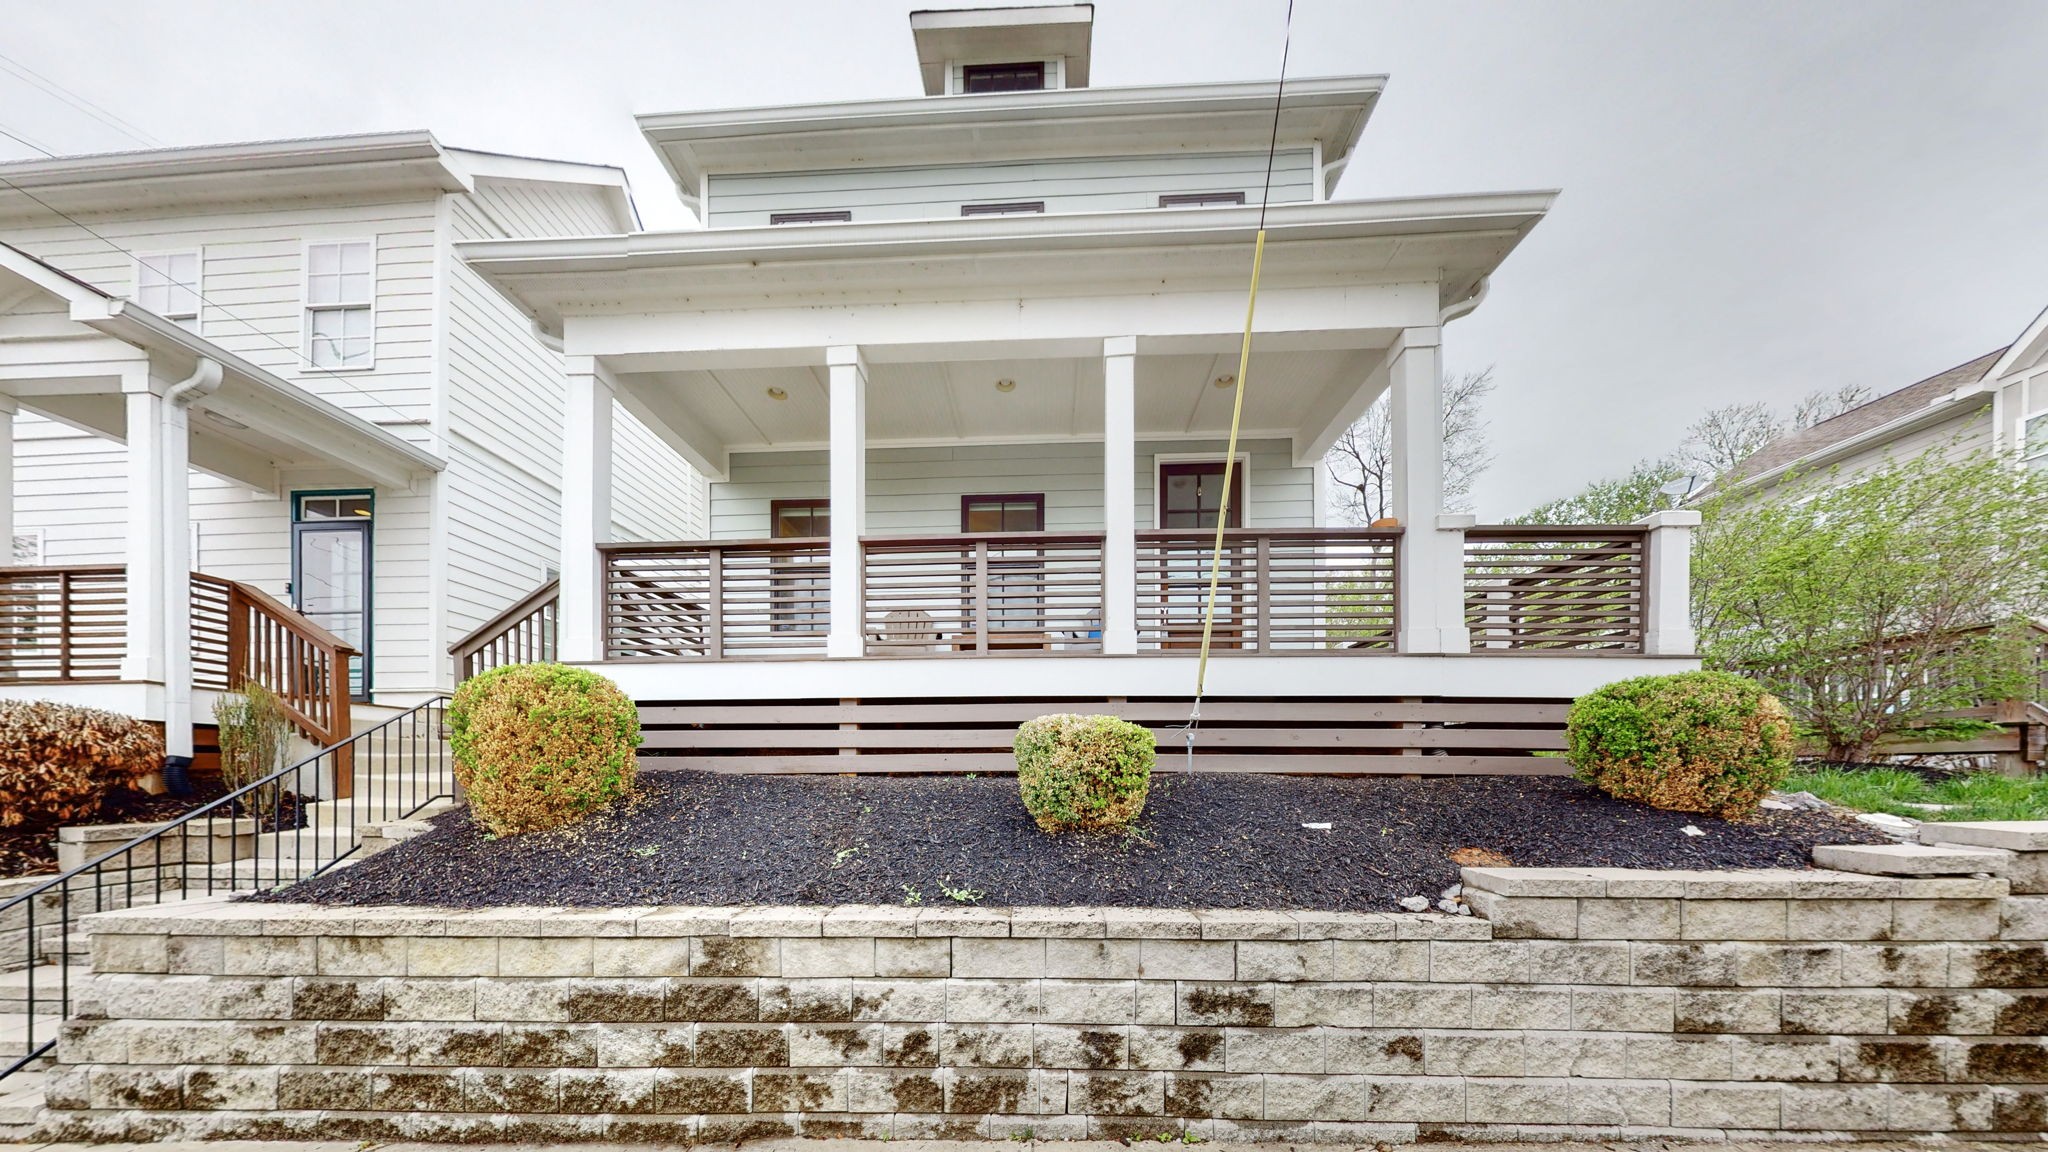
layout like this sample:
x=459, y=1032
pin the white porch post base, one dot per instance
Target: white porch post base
x=1667, y=623
x=586, y=508
x=849, y=472
x=1430, y=596
x=1119, y=495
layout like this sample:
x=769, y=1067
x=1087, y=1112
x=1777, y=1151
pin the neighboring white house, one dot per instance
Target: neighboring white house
x=960, y=370
x=373, y=434
x=1997, y=402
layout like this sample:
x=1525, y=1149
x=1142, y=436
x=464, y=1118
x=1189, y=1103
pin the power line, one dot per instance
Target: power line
x=23, y=140
x=79, y=102
x=204, y=300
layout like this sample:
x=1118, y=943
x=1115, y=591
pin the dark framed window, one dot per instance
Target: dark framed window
x=831, y=216
x=1009, y=208
x=1190, y=494
x=799, y=519
x=980, y=515
x=1023, y=76
x=1199, y=199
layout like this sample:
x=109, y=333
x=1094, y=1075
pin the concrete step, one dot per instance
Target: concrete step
x=2011, y=835
x=1911, y=860
x=21, y=1101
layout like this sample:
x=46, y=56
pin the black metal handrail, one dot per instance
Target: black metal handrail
x=398, y=767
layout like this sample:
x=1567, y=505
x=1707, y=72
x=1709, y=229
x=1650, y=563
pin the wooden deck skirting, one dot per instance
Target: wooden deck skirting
x=1345, y=737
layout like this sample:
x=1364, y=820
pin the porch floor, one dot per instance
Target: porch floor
x=1205, y=841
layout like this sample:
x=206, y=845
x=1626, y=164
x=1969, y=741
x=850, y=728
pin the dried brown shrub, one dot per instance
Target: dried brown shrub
x=59, y=761
x=1688, y=742
x=540, y=746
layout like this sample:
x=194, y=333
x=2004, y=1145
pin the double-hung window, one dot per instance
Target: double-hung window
x=167, y=284
x=340, y=289
x=2034, y=448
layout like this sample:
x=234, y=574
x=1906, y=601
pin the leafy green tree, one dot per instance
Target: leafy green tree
x=1883, y=602
x=1616, y=501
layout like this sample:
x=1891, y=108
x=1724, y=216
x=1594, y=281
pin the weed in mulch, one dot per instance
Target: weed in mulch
x=1207, y=841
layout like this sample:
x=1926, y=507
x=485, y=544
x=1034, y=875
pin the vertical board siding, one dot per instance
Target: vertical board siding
x=1086, y=185
x=918, y=490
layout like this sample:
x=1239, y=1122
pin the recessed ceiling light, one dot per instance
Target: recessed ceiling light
x=223, y=421
x=1225, y=381
x=777, y=394
x=1006, y=385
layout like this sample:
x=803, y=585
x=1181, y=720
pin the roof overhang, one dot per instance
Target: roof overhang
x=1951, y=406
x=998, y=35
x=326, y=168
x=1063, y=123
x=254, y=426
x=2029, y=350
x=1454, y=241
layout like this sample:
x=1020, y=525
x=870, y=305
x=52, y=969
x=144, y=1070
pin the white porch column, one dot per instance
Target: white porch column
x=1119, y=495
x=1667, y=617
x=7, y=410
x=158, y=644
x=586, y=508
x=1430, y=597
x=849, y=492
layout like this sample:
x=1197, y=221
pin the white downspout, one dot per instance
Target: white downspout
x=176, y=645
x=1477, y=297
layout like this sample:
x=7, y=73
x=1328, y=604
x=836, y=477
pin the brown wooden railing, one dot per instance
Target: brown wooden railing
x=715, y=599
x=62, y=623
x=304, y=664
x=1277, y=590
x=525, y=633
x=1013, y=592
x=1539, y=587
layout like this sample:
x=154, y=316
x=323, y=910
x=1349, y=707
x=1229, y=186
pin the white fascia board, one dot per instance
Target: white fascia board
x=1331, y=219
x=679, y=137
x=1947, y=408
x=2031, y=346
x=262, y=156
x=532, y=169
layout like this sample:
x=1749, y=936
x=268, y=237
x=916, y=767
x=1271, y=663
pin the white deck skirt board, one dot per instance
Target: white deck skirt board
x=1056, y=676
x=141, y=700
x=1115, y=184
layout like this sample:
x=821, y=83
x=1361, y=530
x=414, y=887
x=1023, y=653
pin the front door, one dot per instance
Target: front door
x=1190, y=495
x=331, y=573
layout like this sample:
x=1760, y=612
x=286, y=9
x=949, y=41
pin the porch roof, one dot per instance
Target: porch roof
x=67, y=363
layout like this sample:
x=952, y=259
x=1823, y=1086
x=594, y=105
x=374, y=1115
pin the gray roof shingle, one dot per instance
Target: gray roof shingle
x=1795, y=446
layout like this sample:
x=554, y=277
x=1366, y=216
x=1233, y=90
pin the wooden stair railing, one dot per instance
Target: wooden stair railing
x=522, y=634
x=241, y=633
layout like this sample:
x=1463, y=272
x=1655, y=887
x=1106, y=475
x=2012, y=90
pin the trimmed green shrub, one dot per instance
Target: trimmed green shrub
x=1690, y=742
x=1084, y=773
x=59, y=762
x=540, y=746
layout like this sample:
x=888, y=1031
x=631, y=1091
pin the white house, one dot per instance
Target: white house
x=960, y=372
x=255, y=410
x=1997, y=402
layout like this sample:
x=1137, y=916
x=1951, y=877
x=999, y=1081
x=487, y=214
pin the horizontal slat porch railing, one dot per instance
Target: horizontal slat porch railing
x=1014, y=593
x=715, y=599
x=525, y=633
x=62, y=624
x=1284, y=590
x=1549, y=588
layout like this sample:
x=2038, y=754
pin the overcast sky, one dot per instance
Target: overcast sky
x=1760, y=198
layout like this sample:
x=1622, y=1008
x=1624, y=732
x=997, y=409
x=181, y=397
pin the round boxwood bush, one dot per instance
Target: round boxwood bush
x=1084, y=773
x=539, y=746
x=1690, y=742
x=59, y=762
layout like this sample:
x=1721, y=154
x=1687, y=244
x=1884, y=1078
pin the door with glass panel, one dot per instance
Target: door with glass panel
x=331, y=572
x=1190, y=497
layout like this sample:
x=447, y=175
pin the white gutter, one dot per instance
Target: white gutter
x=1941, y=410
x=1466, y=305
x=203, y=382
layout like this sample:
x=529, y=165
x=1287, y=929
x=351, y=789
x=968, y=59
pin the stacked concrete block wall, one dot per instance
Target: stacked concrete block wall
x=1586, y=1004
x=48, y=915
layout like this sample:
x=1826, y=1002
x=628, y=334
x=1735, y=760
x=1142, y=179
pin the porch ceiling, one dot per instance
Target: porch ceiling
x=1051, y=398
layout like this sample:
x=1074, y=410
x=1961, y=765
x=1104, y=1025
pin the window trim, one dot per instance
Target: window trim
x=198, y=255
x=821, y=216
x=1243, y=470
x=2031, y=459
x=991, y=67
x=1004, y=208
x=1036, y=499
x=307, y=308
x=1201, y=199
x=777, y=507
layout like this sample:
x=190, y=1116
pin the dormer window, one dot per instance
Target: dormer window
x=1026, y=76
x=1200, y=199
x=1007, y=208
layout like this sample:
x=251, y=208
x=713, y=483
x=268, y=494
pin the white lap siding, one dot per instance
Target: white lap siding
x=918, y=490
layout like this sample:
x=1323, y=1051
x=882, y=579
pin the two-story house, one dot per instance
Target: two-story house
x=254, y=410
x=960, y=370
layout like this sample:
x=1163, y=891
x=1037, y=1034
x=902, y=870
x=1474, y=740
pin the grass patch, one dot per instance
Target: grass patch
x=1974, y=795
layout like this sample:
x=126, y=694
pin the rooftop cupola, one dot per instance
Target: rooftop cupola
x=1023, y=49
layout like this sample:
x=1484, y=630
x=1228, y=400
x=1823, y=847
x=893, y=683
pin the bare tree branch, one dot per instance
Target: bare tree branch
x=1361, y=462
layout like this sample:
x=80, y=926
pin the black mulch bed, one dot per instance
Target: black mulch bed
x=1207, y=841
x=33, y=852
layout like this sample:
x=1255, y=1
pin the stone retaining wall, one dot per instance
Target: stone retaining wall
x=1595, y=1005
